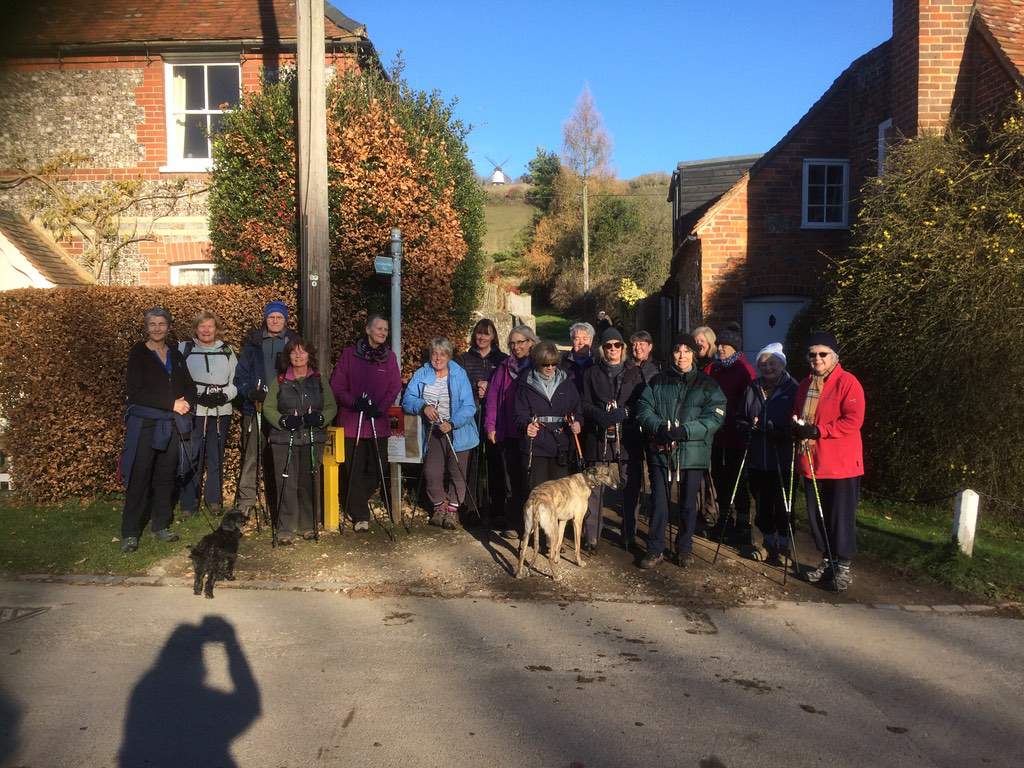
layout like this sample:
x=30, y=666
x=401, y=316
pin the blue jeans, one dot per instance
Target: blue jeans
x=208, y=449
x=689, y=486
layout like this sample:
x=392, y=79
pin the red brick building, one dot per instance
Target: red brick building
x=137, y=86
x=755, y=253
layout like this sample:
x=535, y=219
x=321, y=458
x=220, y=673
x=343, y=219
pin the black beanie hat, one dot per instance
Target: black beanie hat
x=823, y=339
x=684, y=339
x=610, y=334
x=731, y=335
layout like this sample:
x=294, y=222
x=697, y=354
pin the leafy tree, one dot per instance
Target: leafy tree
x=541, y=173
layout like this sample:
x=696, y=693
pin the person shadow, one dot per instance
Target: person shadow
x=174, y=718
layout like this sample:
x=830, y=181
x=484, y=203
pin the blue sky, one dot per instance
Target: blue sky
x=673, y=81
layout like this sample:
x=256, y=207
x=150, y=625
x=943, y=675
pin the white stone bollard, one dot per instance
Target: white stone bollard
x=965, y=520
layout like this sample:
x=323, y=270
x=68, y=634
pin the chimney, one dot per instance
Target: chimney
x=928, y=38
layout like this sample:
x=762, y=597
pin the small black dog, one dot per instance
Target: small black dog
x=215, y=554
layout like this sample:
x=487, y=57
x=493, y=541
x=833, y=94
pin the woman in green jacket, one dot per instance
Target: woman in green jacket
x=678, y=413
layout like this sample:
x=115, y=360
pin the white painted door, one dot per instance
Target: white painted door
x=767, y=319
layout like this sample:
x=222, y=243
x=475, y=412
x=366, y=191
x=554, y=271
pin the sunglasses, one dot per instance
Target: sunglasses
x=548, y=365
x=812, y=355
x=613, y=345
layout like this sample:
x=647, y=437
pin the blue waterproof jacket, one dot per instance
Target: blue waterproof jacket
x=463, y=404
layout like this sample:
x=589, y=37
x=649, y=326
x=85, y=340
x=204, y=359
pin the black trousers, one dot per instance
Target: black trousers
x=839, y=500
x=661, y=488
x=593, y=523
x=767, y=491
x=515, y=471
x=492, y=505
x=300, y=491
x=725, y=466
x=633, y=485
x=363, y=475
x=151, y=489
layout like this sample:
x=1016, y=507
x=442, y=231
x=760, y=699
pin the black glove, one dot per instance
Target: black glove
x=617, y=416
x=806, y=432
x=677, y=433
x=365, y=405
x=212, y=399
x=313, y=419
x=257, y=394
x=290, y=422
x=744, y=427
x=663, y=435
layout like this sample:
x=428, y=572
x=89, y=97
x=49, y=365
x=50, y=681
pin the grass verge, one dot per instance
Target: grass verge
x=78, y=537
x=552, y=327
x=916, y=540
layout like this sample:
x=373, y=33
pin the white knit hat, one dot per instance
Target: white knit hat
x=775, y=348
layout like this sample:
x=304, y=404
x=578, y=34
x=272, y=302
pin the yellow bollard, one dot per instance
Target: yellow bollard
x=334, y=457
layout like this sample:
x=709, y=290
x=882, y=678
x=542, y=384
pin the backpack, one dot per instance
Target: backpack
x=190, y=349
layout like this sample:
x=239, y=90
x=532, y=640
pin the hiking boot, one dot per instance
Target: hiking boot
x=589, y=546
x=649, y=561
x=129, y=544
x=684, y=559
x=165, y=535
x=215, y=509
x=285, y=539
x=842, y=577
x=185, y=514
x=450, y=521
x=437, y=518
x=309, y=535
x=361, y=526
x=822, y=573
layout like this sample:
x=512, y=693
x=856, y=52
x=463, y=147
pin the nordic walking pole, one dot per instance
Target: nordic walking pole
x=732, y=501
x=571, y=418
x=261, y=507
x=419, y=484
x=280, y=491
x=787, y=503
x=458, y=464
x=383, y=480
x=348, y=481
x=314, y=484
x=821, y=516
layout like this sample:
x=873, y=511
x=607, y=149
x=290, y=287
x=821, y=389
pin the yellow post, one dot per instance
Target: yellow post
x=334, y=457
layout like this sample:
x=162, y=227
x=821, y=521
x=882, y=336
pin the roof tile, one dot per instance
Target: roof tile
x=1005, y=20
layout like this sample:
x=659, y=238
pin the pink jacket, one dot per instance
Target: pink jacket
x=499, y=406
x=354, y=375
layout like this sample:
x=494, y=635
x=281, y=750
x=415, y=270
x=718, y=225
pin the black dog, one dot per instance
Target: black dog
x=215, y=554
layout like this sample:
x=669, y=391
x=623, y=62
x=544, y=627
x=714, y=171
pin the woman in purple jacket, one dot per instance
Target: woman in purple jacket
x=500, y=424
x=365, y=381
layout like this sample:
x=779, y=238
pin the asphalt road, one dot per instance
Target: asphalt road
x=152, y=676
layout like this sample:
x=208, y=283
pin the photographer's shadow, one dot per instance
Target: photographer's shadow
x=174, y=718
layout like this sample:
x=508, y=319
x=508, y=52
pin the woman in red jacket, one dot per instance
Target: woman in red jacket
x=830, y=411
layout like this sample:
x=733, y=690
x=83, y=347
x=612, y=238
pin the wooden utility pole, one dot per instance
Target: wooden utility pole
x=586, y=239
x=314, y=261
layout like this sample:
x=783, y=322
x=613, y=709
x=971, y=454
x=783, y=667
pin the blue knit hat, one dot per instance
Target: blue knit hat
x=275, y=306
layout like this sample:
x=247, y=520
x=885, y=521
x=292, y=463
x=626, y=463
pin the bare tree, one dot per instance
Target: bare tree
x=107, y=217
x=587, y=149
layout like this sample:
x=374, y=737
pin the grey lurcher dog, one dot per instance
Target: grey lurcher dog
x=552, y=504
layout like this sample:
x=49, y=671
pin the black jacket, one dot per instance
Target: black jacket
x=648, y=369
x=574, y=369
x=151, y=386
x=555, y=438
x=598, y=390
x=479, y=368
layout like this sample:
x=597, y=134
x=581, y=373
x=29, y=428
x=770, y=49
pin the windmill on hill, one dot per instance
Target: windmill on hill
x=499, y=176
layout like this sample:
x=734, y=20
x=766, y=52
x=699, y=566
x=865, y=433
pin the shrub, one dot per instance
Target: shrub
x=62, y=376
x=396, y=158
x=927, y=309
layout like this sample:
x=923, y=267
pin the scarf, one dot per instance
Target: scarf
x=369, y=353
x=546, y=387
x=810, y=408
x=729, y=360
x=517, y=367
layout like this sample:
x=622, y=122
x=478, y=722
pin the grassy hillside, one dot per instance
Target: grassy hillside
x=504, y=221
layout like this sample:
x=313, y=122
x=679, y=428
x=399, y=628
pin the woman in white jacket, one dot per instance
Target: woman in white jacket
x=212, y=365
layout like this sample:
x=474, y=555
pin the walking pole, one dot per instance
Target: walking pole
x=383, y=482
x=280, y=491
x=787, y=504
x=314, y=484
x=261, y=507
x=458, y=464
x=571, y=418
x=348, y=480
x=732, y=501
x=821, y=515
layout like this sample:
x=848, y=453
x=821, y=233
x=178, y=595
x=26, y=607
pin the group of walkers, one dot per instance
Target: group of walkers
x=714, y=433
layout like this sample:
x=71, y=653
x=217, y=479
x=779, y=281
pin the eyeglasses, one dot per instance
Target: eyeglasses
x=519, y=343
x=613, y=345
x=812, y=355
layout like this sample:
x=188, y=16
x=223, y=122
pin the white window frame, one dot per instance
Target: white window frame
x=208, y=265
x=883, y=145
x=174, y=163
x=844, y=224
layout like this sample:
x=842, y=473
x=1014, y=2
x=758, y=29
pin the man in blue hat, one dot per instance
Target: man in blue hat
x=257, y=366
